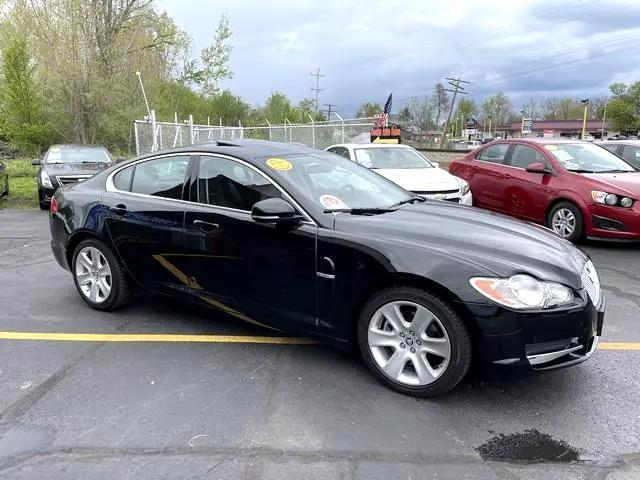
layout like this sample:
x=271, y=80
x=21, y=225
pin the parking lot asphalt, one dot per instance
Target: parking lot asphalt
x=85, y=407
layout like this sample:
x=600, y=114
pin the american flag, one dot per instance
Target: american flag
x=387, y=106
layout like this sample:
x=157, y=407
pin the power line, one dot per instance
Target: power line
x=317, y=89
x=328, y=109
x=457, y=89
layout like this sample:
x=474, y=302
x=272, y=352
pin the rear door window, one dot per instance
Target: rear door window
x=523, y=156
x=163, y=177
x=494, y=154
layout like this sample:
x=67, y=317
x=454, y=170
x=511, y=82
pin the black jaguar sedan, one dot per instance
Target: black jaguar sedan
x=308, y=242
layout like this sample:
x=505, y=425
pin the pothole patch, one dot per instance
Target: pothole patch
x=528, y=446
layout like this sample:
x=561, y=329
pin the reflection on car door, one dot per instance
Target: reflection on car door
x=527, y=194
x=255, y=272
x=487, y=177
x=144, y=215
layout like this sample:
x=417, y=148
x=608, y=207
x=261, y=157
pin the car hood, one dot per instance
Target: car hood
x=495, y=243
x=629, y=182
x=74, y=168
x=421, y=179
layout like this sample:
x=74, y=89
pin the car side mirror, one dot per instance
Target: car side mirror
x=275, y=211
x=36, y=161
x=537, y=167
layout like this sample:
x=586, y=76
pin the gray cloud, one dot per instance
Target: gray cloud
x=367, y=49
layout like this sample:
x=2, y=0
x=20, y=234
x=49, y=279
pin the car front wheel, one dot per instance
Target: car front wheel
x=566, y=220
x=101, y=281
x=413, y=341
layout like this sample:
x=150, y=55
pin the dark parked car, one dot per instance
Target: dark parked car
x=578, y=189
x=68, y=164
x=308, y=242
x=4, y=180
x=627, y=149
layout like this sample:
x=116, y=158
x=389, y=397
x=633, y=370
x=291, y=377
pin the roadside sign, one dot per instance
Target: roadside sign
x=527, y=125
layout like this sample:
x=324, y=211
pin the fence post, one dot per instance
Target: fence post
x=286, y=120
x=241, y=129
x=135, y=134
x=342, y=123
x=267, y=120
x=313, y=131
x=191, y=129
x=154, y=142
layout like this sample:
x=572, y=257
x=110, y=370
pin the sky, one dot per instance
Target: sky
x=368, y=49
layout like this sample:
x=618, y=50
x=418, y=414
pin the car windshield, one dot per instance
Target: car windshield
x=77, y=154
x=587, y=158
x=333, y=182
x=390, y=157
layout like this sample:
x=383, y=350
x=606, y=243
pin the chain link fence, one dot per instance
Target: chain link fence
x=151, y=136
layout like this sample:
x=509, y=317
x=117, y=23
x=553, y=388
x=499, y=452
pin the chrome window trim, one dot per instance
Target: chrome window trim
x=110, y=186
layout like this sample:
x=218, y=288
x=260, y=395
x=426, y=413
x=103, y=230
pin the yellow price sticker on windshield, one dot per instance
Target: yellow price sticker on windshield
x=551, y=147
x=279, y=164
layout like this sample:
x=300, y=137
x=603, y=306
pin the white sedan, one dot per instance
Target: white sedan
x=409, y=169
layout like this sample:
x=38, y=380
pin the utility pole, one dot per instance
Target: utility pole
x=317, y=89
x=328, y=110
x=457, y=89
x=604, y=118
x=585, y=102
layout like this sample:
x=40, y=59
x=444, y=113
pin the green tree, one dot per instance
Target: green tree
x=422, y=110
x=467, y=109
x=21, y=96
x=498, y=108
x=624, y=108
x=368, y=109
x=215, y=58
x=405, y=114
x=278, y=108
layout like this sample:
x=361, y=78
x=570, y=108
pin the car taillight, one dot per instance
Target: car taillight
x=54, y=205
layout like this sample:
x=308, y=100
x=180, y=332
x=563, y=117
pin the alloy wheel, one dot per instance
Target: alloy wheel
x=563, y=222
x=409, y=343
x=93, y=274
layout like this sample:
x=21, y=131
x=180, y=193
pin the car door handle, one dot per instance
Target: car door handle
x=206, y=227
x=119, y=209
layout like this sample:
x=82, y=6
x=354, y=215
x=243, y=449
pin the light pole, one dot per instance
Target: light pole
x=522, y=126
x=604, y=116
x=584, y=118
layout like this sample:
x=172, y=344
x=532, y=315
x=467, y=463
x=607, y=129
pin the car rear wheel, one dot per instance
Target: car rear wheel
x=101, y=281
x=566, y=220
x=414, y=342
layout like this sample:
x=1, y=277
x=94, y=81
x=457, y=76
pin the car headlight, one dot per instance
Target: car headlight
x=464, y=186
x=45, y=180
x=611, y=199
x=523, y=292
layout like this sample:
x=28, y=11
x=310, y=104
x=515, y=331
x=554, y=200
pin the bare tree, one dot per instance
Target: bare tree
x=531, y=108
x=440, y=101
x=422, y=111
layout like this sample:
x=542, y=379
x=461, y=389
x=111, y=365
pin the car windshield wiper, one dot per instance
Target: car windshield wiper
x=359, y=211
x=409, y=200
x=615, y=171
x=578, y=170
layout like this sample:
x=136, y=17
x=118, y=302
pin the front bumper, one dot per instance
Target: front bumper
x=46, y=194
x=539, y=340
x=614, y=223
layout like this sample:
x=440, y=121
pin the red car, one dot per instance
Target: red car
x=577, y=189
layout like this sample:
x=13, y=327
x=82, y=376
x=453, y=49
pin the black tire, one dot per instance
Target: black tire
x=578, y=231
x=121, y=289
x=44, y=205
x=460, y=342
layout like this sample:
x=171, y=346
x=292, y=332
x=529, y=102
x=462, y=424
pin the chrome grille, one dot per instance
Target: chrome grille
x=591, y=282
x=68, y=180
